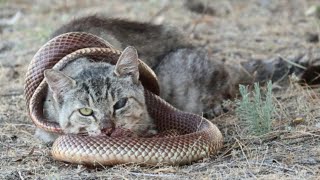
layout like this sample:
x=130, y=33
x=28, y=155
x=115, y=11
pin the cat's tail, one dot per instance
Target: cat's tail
x=278, y=70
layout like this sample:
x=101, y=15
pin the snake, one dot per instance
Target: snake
x=198, y=137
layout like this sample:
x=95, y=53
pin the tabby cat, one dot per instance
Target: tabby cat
x=88, y=97
x=190, y=78
x=84, y=98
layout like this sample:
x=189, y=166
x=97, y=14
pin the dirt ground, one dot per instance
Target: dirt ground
x=234, y=30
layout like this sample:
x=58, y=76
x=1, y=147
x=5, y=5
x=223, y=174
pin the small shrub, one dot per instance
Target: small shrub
x=256, y=111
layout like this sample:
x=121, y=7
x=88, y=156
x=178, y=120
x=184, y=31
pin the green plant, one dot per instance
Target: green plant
x=256, y=111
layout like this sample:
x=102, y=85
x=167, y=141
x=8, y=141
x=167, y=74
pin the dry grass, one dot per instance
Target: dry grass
x=240, y=30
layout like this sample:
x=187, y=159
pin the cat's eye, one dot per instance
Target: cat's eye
x=86, y=111
x=121, y=103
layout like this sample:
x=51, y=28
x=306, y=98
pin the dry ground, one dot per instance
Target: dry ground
x=235, y=31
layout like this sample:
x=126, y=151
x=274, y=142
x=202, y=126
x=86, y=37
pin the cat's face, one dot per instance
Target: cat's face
x=101, y=96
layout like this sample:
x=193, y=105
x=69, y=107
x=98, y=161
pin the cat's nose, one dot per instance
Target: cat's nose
x=107, y=124
x=107, y=127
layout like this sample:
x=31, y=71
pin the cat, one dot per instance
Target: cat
x=189, y=77
x=89, y=97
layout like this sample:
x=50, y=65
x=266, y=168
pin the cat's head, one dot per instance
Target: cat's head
x=100, y=96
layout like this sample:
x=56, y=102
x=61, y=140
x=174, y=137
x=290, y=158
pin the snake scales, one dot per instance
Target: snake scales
x=200, y=138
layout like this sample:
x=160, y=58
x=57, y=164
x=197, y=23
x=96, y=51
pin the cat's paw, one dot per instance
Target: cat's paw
x=44, y=136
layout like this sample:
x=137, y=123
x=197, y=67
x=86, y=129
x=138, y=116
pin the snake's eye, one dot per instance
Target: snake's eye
x=121, y=103
x=86, y=111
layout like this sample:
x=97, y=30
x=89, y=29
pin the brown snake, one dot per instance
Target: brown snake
x=200, y=138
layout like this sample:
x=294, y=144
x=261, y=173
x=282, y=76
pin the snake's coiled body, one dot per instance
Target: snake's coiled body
x=200, y=137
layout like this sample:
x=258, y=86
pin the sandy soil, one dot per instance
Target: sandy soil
x=234, y=30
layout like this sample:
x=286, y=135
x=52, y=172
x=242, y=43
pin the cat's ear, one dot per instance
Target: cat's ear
x=58, y=82
x=128, y=64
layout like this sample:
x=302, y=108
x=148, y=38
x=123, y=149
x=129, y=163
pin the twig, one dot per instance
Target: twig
x=274, y=166
x=20, y=175
x=162, y=10
x=317, y=77
x=244, y=154
x=12, y=94
x=10, y=21
x=302, y=134
x=306, y=168
x=251, y=174
x=292, y=63
x=264, y=157
x=199, y=20
x=233, y=146
x=12, y=124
